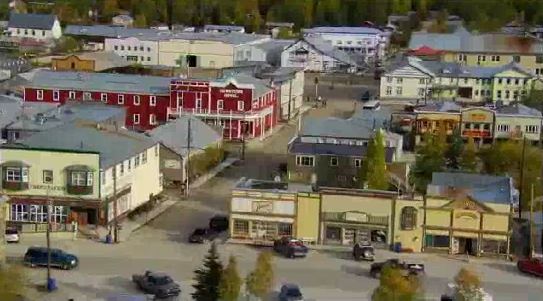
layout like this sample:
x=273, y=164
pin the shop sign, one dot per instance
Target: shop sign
x=263, y=207
x=231, y=93
x=48, y=187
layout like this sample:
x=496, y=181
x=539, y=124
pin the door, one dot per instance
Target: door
x=82, y=218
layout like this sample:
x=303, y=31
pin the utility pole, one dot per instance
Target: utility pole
x=49, y=283
x=243, y=138
x=316, y=81
x=115, y=225
x=521, y=177
x=532, y=246
x=289, y=98
x=187, y=164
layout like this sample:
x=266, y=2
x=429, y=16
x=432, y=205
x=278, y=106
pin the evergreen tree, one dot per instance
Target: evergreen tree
x=429, y=159
x=373, y=171
x=230, y=284
x=208, y=277
x=454, y=150
x=260, y=281
x=468, y=162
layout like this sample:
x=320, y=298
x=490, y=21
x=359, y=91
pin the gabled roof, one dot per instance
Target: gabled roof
x=518, y=109
x=33, y=21
x=103, y=60
x=334, y=127
x=173, y=135
x=303, y=148
x=113, y=145
x=482, y=188
x=443, y=107
x=463, y=41
x=328, y=49
x=84, y=81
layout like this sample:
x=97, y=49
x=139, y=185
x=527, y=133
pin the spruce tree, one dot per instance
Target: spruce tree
x=207, y=277
x=454, y=150
x=468, y=161
x=260, y=281
x=376, y=173
x=230, y=284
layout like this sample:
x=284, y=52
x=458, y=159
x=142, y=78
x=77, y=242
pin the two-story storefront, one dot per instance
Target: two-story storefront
x=436, y=118
x=477, y=123
x=71, y=170
x=245, y=107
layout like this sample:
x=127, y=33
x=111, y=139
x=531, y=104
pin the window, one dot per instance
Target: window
x=56, y=95
x=465, y=80
x=13, y=174
x=148, y=58
x=47, y=177
x=516, y=58
x=220, y=104
x=389, y=79
x=144, y=157
x=408, y=218
x=26, y=32
x=152, y=101
x=129, y=48
x=517, y=81
x=198, y=103
x=71, y=95
x=503, y=128
x=531, y=129
x=122, y=47
x=81, y=178
x=539, y=59
x=499, y=94
x=357, y=163
x=121, y=169
x=141, y=48
x=19, y=212
x=142, y=58
x=467, y=125
x=399, y=80
x=476, y=92
x=421, y=91
x=39, y=94
x=508, y=81
x=152, y=119
x=507, y=94
x=137, y=161
x=129, y=164
x=148, y=49
x=116, y=47
x=500, y=81
x=103, y=97
x=421, y=81
x=103, y=177
x=398, y=90
x=120, y=99
x=284, y=229
x=87, y=96
x=156, y=150
x=136, y=118
x=389, y=90
x=333, y=161
x=136, y=100
x=241, y=227
x=437, y=241
x=305, y=160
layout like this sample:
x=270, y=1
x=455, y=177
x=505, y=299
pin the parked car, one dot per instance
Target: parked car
x=158, y=284
x=290, y=292
x=532, y=266
x=363, y=251
x=219, y=223
x=290, y=247
x=202, y=235
x=12, y=235
x=37, y=256
x=415, y=269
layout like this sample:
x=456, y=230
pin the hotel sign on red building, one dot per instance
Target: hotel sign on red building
x=231, y=93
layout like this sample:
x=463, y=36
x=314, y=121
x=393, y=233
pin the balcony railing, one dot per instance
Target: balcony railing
x=221, y=113
x=14, y=186
x=79, y=190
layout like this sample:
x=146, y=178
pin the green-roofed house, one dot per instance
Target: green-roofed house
x=71, y=167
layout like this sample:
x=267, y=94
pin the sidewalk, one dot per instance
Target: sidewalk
x=128, y=226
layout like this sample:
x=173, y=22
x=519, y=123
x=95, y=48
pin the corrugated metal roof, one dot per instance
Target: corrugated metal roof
x=33, y=21
x=174, y=135
x=298, y=147
x=328, y=49
x=114, y=146
x=224, y=27
x=483, y=188
x=83, y=81
x=335, y=127
x=451, y=69
x=342, y=30
x=13, y=109
x=109, y=31
x=518, y=109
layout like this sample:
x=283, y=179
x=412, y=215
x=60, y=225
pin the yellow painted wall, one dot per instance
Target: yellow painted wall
x=65, y=64
x=440, y=218
x=307, y=216
x=40, y=160
x=466, y=219
x=411, y=239
x=342, y=203
x=495, y=222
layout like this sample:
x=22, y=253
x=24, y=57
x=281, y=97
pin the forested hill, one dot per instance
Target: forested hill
x=484, y=15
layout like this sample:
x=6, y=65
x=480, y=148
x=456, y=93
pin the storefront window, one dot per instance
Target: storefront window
x=489, y=246
x=284, y=229
x=241, y=227
x=265, y=230
x=38, y=213
x=333, y=234
x=19, y=212
x=437, y=241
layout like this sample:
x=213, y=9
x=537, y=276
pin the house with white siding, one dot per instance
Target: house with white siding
x=34, y=26
x=421, y=80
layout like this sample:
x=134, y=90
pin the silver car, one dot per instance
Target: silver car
x=290, y=292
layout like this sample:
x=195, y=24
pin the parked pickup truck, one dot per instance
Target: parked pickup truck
x=408, y=269
x=158, y=284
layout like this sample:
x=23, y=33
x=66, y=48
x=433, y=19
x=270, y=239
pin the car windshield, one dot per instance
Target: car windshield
x=199, y=232
x=294, y=292
x=11, y=231
x=162, y=280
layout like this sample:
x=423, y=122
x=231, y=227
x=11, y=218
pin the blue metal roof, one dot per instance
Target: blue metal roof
x=342, y=30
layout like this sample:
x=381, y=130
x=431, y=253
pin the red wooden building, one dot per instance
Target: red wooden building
x=240, y=104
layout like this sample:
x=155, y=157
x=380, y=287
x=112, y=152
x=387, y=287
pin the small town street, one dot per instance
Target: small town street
x=162, y=245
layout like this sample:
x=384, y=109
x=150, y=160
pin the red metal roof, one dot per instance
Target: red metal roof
x=425, y=51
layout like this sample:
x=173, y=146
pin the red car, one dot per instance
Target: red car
x=532, y=266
